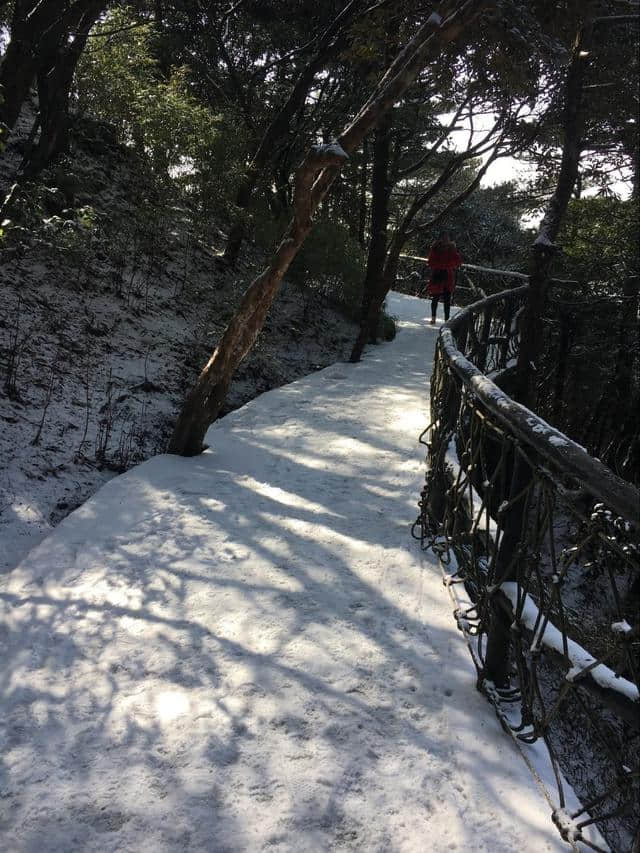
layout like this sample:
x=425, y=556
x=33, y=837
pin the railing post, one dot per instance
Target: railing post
x=445, y=404
x=484, y=339
x=461, y=336
x=497, y=659
x=504, y=346
x=497, y=666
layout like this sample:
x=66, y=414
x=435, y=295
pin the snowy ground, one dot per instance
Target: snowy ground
x=247, y=651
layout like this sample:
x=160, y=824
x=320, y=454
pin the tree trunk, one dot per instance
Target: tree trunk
x=55, y=79
x=381, y=186
x=54, y=89
x=204, y=402
x=313, y=180
x=544, y=249
x=162, y=50
x=16, y=76
x=564, y=348
x=389, y=265
x=615, y=417
x=20, y=61
x=40, y=46
x=380, y=194
x=362, y=218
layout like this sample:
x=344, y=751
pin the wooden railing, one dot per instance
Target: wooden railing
x=540, y=547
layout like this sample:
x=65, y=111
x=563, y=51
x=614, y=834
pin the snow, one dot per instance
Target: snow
x=332, y=148
x=543, y=240
x=622, y=627
x=247, y=649
x=558, y=441
x=481, y=518
x=126, y=367
x=486, y=388
x=534, y=754
x=568, y=826
x=581, y=660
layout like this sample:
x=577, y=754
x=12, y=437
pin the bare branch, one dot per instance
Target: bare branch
x=410, y=170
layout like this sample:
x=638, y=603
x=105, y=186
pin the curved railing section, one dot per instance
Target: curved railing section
x=539, y=544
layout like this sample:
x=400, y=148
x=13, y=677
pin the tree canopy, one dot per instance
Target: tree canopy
x=225, y=100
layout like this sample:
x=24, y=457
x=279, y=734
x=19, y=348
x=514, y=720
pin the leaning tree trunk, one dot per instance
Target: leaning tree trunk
x=313, y=180
x=204, y=401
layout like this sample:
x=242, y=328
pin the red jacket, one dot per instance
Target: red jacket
x=445, y=258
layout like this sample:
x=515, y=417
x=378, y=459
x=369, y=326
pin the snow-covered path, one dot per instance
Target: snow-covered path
x=247, y=650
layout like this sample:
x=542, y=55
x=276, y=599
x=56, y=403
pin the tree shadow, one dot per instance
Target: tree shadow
x=245, y=650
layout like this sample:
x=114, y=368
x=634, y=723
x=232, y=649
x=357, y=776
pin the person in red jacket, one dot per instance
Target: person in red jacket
x=443, y=259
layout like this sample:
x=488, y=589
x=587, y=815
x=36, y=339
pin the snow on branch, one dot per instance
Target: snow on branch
x=317, y=158
x=333, y=149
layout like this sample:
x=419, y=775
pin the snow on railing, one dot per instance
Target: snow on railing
x=545, y=540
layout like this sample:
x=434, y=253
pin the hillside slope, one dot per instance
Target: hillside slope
x=111, y=303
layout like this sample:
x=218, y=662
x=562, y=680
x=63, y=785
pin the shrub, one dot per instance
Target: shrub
x=387, y=329
x=119, y=81
x=331, y=262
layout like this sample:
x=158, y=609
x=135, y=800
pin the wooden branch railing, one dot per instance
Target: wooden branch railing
x=540, y=545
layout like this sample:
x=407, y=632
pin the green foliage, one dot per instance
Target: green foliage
x=115, y=75
x=331, y=261
x=600, y=241
x=217, y=170
x=73, y=236
x=386, y=325
x=488, y=228
x=119, y=80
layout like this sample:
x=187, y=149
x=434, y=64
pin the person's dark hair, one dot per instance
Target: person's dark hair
x=443, y=241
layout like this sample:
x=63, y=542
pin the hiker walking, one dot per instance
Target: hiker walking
x=443, y=259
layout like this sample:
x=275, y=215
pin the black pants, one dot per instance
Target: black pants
x=446, y=301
